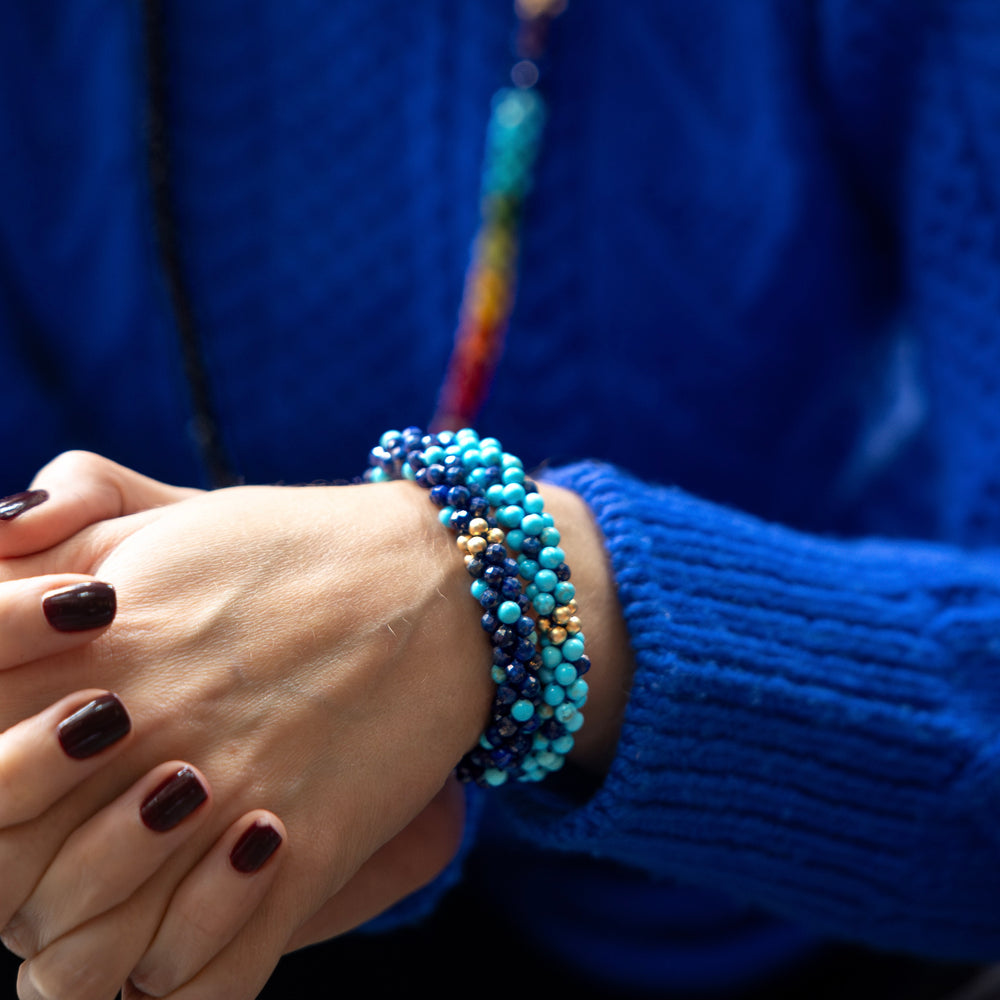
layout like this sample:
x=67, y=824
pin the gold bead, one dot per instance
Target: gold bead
x=496, y=536
x=561, y=615
x=463, y=543
x=573, y=625
x=544, y=626
x=476, y=544
x=557, y=636
x=467, y=559
x=571, y=605
x=478, y=526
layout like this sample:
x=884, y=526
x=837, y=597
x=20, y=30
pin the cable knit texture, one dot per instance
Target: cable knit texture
x=758, y=329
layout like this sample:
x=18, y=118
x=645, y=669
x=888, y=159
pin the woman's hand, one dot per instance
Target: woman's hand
x=312, y=650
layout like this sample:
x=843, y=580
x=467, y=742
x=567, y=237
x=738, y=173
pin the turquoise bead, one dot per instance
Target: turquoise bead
x=407, y=472
x=552, y=657
x=565, y=673
x=515, y=539
x=510, y=516
x=434, y=454
x=444, y=515
x=512, y=475
x=494, y=495
x=378, y=476
x=528, y=569
x=513, y=493
x=550, y=557
x=498, y=675
x=477, y=588
x=494, y=777
x=578, y=689
x=565, y=592
x=531, y=592
x=532, y=523
x=572, y=648
x=472, y=459
x=522, y=710
x=549, y=536
x=554, y=695
x=544, y=603
x=545, y=579
x=510, y=461
x=574, y=721
x=563, y=744
x=549, y=760
x=388, y=438
x=509, y=612
x=534, y=503
x=566, y=711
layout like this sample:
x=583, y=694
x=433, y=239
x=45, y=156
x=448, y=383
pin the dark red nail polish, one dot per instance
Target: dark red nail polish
x=97, y=725
x=80, y=607
x=172, y=801
x=17, y=503
x=251, y=852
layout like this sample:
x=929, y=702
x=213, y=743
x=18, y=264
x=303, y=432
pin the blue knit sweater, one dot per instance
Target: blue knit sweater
x=758, y=330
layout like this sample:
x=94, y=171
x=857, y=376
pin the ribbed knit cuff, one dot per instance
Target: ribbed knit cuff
x=812, y=726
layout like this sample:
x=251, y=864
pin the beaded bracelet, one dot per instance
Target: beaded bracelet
x=522, y=584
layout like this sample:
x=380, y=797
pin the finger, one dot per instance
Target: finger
x=212, y=904
x=81, y=965
x=74, y=490
x=111, y=856
x=47, y=615
x=43, y=757
x=239, y=972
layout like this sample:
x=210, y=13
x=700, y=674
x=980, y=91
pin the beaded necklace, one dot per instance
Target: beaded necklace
x=512, y=140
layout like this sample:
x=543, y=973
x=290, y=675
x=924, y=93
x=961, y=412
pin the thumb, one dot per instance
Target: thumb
x=75, y=490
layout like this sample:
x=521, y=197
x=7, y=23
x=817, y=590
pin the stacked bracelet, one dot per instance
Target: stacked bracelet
x=522, y=584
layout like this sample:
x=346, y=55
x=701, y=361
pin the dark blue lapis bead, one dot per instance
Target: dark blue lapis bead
x=492, y=475
x=454, y=475
x=531, y=689
x=501, y=658
x=428, y=440
x=476, y=568
x=489, y=599
x=465, y=771
x=521, y=744
x=491, y=521
x=435, y=474
x=562, y=572
x=510, y=567
x=525, y=626
x=506, y=727
x=478, y=507
x=552, y=729
x=493, y=736
x=524, y=651
x=531, y=546
x=460, y=521
x=420, y=478
x=511, y=589
x=495, y=554
x=439, y=493
x=516, y=674
x=411, y=437
x=506, y=637
x=459, y=497
x=415, y=459
x=452, y=460
x=531, y=725
x=381, y=457
x=501, y=758
x=493, y=575
x=490, y=622
x=582, y=665
x=523, y=602
x=530, y=486
x=535, y=663
x=505, y=695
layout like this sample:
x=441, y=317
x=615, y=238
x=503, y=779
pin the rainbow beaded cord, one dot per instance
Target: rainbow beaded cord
x=512, y=141
x=522, y=584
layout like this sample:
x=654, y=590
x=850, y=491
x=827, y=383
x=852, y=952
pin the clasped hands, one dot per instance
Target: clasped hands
x=253, y=756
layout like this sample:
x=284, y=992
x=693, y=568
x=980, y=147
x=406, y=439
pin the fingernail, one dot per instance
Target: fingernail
x=17, y=503
x=251, y=851
x=81, y=606
x=97, y=725
x=172, y=801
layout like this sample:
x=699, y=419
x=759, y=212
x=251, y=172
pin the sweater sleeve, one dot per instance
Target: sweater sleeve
x=813, y=723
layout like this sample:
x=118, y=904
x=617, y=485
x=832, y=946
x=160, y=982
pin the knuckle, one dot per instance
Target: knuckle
x=20, y=937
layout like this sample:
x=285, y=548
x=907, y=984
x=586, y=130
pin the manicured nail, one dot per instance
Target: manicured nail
x=173, y=800
x=17, y=503
x=97, y=725
x=81, y=606
x=251, y=851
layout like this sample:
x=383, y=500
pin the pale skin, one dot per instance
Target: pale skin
x=312, y=654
